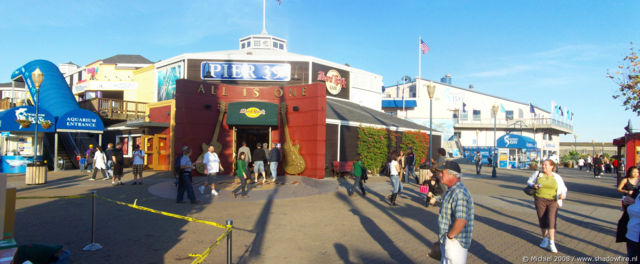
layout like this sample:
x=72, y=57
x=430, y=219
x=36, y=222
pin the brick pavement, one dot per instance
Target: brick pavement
x=314, y=221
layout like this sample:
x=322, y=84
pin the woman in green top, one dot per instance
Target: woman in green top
x=242, y=175
x=358, y=167
x=550, y=191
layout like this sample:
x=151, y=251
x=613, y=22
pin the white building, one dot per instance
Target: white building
x=466, y=120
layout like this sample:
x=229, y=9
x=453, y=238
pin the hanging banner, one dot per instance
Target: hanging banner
x=23, y=119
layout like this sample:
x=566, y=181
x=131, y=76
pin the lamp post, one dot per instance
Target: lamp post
x=534, y=139
x=477, y=138
x=494, y=109
x=575, y=143
x=36, y=77
x=431, y=89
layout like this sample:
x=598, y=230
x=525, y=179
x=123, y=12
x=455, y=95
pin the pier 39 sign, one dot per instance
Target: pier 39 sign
x=246, y=71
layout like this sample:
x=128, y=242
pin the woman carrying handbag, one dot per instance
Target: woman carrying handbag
x=550, y=191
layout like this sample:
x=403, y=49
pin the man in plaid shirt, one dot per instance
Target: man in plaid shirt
x=455, y=220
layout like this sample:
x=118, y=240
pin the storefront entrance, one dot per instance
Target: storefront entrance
x=252, y=136
x=156, y=149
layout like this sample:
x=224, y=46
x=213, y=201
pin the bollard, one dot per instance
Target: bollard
x=93, y=246
x=229, y=223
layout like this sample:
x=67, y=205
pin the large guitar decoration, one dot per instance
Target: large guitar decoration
x=293, y=161
x=200, y=167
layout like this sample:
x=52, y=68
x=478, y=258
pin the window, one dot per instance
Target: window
x=455, y=117
x=248, y=44
x=243, y=45
x=544, y=136
x=509, y=115
x=464, y=116
x=275, y=45
x=550, y=137
x=476, y=115
x=256, y=43
x=281, y=46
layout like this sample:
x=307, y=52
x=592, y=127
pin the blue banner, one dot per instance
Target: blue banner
x=278, y=72
x=23, y=119
x=516, y=141
x=79, y=120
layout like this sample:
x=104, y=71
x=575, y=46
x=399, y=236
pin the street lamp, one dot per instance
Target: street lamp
x=575, y=143
x=477, y=138
x=36, y=77
x=431, y=89
x=494, y=109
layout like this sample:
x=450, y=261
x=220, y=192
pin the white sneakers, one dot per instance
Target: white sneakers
x=552, y=247
x=547, y=244
x=544, y=243
x=201, y=188
x=214, y=192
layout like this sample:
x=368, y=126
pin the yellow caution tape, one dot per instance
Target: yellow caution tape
x=205, y=254
x=56, y=197
x=190, y=219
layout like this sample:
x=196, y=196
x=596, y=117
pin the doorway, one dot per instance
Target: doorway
x=252, y=136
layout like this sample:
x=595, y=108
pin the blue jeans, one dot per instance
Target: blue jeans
x=357, y=183
x=184, y=182
x=396, y=183
x=409, y=170
x=273, y=165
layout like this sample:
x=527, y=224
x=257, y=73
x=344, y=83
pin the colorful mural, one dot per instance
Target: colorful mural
x=167, y=77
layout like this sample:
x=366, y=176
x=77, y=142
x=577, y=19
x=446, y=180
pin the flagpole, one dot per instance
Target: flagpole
x=419, y=58
x=264, y=14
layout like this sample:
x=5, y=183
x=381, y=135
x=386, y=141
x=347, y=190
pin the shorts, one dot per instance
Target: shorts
x=258, y=166
x=211, y=178
x=138, y=168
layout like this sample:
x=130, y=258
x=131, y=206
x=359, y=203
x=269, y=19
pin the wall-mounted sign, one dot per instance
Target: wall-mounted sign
x=333, y=81
x=252, y=113
x=23, y=119
x=167, y=77
x=79, y=120
x=246, y=71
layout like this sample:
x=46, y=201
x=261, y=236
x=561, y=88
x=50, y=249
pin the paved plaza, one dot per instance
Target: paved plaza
x=314, y=221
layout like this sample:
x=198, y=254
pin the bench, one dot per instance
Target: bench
x=340, y=167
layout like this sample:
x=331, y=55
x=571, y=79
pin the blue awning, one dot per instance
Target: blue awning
x=397, y=103
x=516, y=141
x=23, y=119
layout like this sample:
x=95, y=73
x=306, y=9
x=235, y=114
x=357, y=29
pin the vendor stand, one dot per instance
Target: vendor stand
x=17, y=126
x=516, y=151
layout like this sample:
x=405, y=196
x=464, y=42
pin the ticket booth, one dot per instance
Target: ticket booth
x=516, y=151
x=17, y=126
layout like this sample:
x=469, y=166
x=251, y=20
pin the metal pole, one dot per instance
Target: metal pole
x=495, y=156
x=55, y=152
x=430, y=130
x=93, y=246
x=35, y=139
x=229, y=223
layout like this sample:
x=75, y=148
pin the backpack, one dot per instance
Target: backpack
x=176, y=165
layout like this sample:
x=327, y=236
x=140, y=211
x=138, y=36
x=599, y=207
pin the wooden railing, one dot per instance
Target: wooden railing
x=115, y=108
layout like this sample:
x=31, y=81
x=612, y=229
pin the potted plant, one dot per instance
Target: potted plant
x=46, y=124
x=24, y=123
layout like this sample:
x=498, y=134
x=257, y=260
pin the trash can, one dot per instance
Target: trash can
x=36, y=173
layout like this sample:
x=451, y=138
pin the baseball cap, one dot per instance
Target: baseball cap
x=451, y=165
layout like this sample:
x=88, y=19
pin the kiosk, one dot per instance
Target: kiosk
x=516, y=151
x=16, y=139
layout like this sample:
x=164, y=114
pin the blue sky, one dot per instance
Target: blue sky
x=528, y=51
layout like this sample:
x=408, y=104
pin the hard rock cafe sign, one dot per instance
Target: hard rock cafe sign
x=252, y=112
x=333, y=81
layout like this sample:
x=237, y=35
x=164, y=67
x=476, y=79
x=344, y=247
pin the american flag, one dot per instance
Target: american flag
x=423, y=47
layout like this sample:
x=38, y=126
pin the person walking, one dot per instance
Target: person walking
x=185, y=180
x=580, y=163
x=118, y=164
x=358, y=168
x=589, y=163
x=88, y=155
x=274, y=159
x=265, y=148
x=258, y=163
x=401, y=163
x=410, y=165
x=628, y=188
x=597, y=166
x=550, y=191
x=99, y=163
x=478, y=160
x=247, y=154
x=242, y=175
x=138, y=164
x=212, y=167
x=109, y=155
x=394, y=171
x=456, y=216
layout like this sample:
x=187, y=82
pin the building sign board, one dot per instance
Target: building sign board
x=245, y=71
x=252, y=113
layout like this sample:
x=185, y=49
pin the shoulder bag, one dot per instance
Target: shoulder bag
x=529, y=190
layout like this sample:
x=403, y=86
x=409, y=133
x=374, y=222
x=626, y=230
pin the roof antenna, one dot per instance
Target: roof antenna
x=264, y=14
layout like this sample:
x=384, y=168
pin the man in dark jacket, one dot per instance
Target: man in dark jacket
x=274, y=159
x=597, y=166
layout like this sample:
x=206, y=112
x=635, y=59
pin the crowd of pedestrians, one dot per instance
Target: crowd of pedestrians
x=110, y=163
